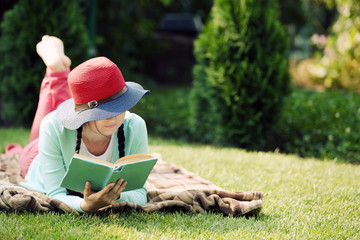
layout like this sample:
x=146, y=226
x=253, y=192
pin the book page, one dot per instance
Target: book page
x=133, y=158
x=135, y=174
x=94, y=160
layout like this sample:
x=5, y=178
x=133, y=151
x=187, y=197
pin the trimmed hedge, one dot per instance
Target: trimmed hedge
x=166, y=112
x=321, y=124
x=324, y=125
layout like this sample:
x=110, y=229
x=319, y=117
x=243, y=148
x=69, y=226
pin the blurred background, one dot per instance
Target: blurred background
x=292, y=65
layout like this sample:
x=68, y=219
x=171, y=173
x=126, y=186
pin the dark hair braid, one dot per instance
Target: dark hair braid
x=121, y=146
x=77, y=150
x=121, y=141
x=78, y=140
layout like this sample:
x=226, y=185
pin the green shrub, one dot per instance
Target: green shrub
x=21, y=69
x=241, y=75
x=125, y=32
x=338, y=64
x=322, y=125
x=166, y=112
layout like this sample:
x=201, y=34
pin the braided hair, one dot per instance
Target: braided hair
x=78, y=139
x=121, y=141
x=121, y=147
x=120, y=135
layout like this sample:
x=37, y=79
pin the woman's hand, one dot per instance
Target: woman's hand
x=51, y=50
x=94, y=201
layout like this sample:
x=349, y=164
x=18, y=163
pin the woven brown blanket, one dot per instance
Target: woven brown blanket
x=169, y=188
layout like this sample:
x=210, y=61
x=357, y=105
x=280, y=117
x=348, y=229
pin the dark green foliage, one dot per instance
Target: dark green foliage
x=323, y=125
x=125, y=30
x=241, y=76
x=313, y=124
x=126, y=33
x=21, y=69
x=166, y=112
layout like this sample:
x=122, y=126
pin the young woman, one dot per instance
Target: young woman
x=94, y=121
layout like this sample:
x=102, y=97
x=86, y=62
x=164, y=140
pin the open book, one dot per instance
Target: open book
x=134, y=169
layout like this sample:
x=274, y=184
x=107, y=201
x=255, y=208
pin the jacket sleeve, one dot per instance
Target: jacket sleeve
x=54, y=145
x=136, y=136
x=52, y=164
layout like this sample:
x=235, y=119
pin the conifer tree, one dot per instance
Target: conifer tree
x=241, y=75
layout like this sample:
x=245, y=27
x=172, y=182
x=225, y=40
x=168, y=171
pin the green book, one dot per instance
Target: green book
x=134, y=169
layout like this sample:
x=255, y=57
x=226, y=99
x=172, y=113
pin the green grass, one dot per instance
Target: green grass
x=13, y=135
x=305, y=199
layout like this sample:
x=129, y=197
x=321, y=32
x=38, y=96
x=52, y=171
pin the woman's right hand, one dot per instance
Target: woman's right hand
x=93, y=201
x=51, y=50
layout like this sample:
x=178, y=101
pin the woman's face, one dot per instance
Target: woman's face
x=108, y=126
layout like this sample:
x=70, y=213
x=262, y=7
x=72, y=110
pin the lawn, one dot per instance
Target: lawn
x=305, y=198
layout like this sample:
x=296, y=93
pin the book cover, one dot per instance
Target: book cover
x=135, y=169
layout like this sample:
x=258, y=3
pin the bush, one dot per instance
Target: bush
x=124, y=33
x=21, y=69
x=338, y=65
x=166, y=112
x=241, y=75
x=322, y=125
x=302, y=18
x=127, y=33
x=314, y=124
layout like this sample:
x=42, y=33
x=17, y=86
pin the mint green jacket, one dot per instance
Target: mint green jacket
x=57, y=146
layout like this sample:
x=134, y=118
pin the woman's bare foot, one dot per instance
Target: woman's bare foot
x=51, y=50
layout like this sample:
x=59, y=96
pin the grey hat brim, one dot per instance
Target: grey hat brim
x=70, y=119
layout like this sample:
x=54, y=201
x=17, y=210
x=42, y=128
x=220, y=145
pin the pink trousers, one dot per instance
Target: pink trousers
x=54, y=90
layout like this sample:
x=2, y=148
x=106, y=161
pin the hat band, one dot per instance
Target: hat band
x=95, y=103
